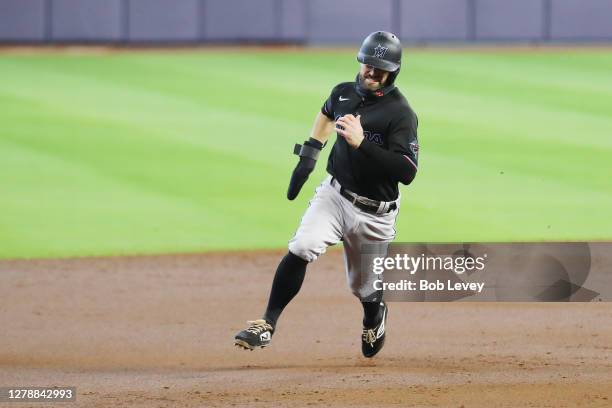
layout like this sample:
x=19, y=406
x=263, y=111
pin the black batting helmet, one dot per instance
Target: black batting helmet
x=382, y=50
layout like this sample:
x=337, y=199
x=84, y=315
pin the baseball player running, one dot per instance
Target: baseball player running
x=358, y=202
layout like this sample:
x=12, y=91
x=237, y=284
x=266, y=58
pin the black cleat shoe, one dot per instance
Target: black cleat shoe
x=258, y=334
x=373, y=339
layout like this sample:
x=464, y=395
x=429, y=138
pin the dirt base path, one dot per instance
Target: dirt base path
x=157, y=332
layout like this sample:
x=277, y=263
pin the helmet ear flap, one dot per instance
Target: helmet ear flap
x=392, y=76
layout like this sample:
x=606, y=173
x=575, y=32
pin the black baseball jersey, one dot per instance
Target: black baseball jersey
x=387, y=121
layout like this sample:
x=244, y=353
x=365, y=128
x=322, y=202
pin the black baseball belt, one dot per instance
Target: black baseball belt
x=363, y=203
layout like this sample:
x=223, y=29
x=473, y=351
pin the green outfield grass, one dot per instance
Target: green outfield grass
x=181, y=152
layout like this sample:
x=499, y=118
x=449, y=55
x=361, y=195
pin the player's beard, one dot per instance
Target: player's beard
x=370, y=83
x=367, y=93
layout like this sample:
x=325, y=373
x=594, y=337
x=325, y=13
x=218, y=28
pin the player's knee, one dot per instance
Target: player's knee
x=304, y=248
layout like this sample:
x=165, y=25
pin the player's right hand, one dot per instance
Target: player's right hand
x=303, y=169
x=299, y=176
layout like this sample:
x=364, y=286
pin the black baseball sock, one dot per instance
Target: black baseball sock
x=287, y=283
x=371, y=313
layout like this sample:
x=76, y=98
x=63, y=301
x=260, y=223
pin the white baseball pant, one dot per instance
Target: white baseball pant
x=331, y=218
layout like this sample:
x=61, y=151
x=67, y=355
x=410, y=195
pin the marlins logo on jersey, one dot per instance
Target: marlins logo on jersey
x=414, y=148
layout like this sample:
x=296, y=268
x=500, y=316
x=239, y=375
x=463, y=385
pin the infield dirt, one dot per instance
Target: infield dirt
x=158, y=331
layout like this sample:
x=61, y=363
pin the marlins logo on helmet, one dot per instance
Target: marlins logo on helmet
x=380, y=51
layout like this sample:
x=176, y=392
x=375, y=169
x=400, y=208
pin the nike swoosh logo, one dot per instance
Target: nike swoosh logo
x=341, y=99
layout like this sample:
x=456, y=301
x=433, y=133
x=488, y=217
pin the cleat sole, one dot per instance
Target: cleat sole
x=243, y=344
x=246, y=346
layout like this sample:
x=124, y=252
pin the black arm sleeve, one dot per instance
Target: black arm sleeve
x=401, y=160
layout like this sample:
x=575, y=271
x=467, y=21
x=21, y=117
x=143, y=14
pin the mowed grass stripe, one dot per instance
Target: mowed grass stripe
x=104, y=206
x=170, y=114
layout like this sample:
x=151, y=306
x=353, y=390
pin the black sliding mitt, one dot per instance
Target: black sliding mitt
x=309, y=153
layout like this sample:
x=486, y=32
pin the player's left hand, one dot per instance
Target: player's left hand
x=349, y=127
